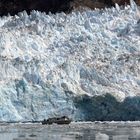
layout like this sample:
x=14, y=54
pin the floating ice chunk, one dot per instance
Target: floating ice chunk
x=100, y=136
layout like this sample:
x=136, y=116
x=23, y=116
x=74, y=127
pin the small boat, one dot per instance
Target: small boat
x=59, y=120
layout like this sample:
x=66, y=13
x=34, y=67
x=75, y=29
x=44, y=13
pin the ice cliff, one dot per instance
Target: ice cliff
x=50, y=63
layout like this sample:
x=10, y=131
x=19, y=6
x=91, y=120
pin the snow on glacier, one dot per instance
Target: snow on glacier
x=46, y=60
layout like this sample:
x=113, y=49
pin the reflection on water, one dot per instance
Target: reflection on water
x=74, y=131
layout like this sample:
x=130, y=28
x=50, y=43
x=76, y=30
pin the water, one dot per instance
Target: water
x=74, y=131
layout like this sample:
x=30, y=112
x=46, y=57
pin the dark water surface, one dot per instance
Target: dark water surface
x=74, y=131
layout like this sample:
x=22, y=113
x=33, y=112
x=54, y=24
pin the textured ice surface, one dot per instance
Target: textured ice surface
x=47, y=60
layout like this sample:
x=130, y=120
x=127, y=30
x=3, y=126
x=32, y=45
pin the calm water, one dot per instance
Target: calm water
x=74, y=131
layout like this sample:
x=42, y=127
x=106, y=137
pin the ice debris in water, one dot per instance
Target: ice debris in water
x=47, y=60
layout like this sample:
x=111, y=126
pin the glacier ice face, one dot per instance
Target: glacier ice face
x=48, y=60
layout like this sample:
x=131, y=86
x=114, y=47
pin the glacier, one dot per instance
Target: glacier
x=50, y=63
